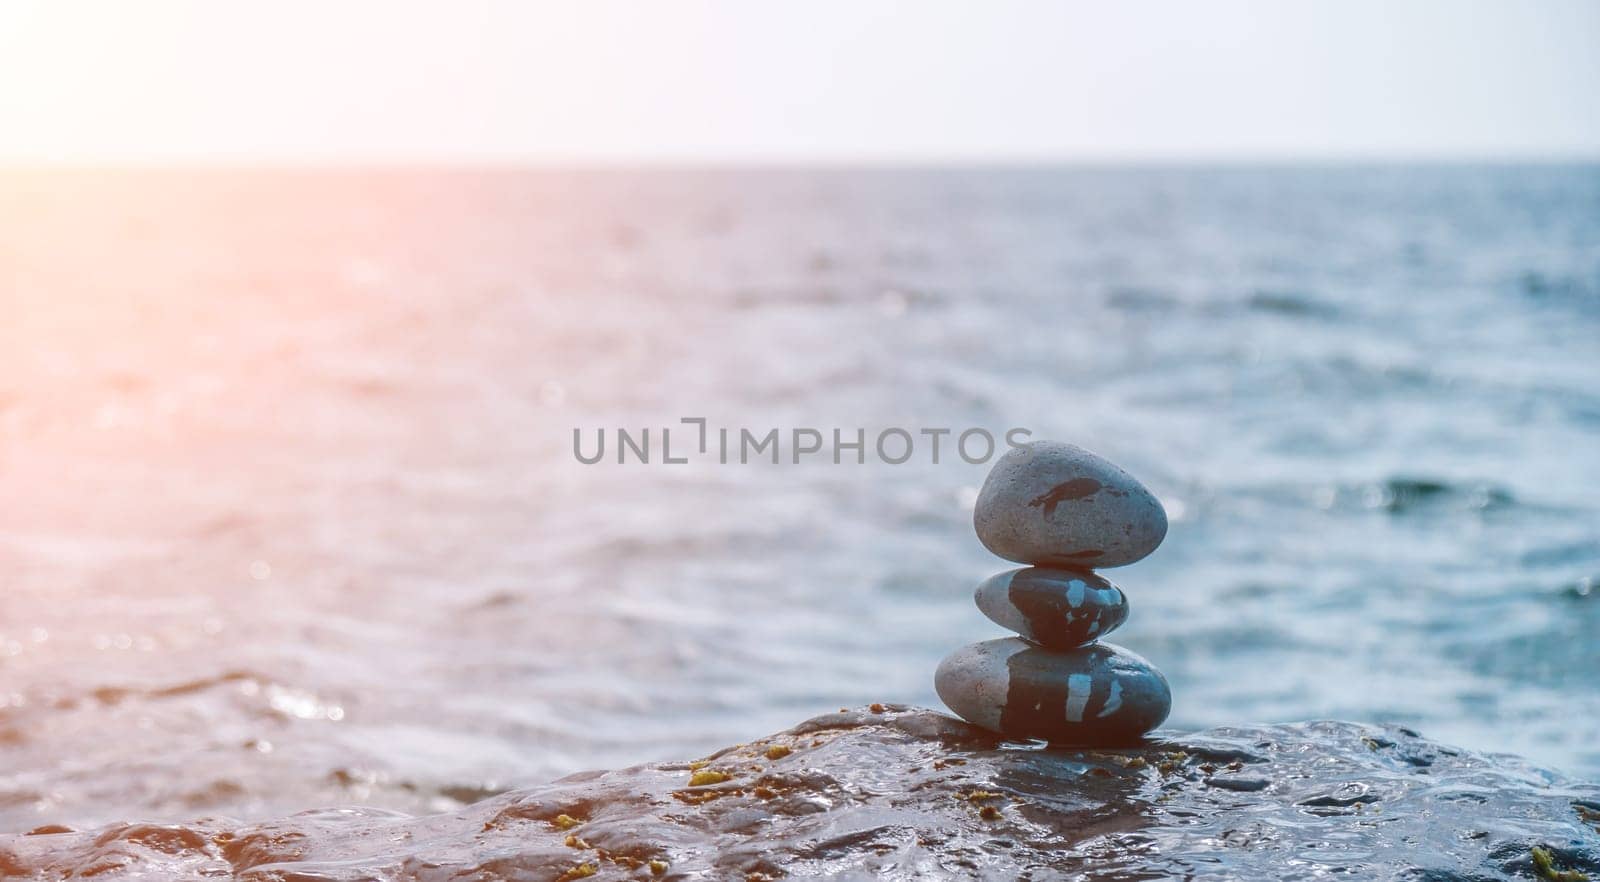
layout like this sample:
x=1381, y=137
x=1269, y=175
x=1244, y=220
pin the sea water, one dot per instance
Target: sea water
x=290, y=514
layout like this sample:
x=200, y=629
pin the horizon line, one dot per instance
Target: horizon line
x=264, y=162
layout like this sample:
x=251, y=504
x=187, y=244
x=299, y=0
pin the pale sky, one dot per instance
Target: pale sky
x=830, y=80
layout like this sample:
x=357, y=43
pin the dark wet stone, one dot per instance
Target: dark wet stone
x=1241, y=785
x=1054, y=504
x=1096, y=694
x=910, y=794
x=1053, y=607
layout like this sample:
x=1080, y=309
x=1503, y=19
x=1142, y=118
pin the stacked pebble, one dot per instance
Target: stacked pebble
x=1062, y=510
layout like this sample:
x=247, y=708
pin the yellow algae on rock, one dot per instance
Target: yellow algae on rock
x=707, y=776
x=1545, y=865
x=565, y=822
x=778, y=751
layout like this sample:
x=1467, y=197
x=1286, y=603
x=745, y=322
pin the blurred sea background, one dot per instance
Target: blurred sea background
x=290, y=517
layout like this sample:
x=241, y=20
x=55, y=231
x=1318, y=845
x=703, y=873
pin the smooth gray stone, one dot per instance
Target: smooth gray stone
x=1054, y=504
x=1098, y=694
x=1054, y=607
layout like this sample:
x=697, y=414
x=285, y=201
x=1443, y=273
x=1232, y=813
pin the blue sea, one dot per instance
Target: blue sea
x=290, y=514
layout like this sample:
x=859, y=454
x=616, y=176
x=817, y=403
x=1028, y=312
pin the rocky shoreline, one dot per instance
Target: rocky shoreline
x=906, y=793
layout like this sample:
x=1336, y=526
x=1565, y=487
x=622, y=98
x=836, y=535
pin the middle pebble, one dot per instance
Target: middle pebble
x=1053, y=607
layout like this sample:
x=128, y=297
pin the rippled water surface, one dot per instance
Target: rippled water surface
x=291, y=515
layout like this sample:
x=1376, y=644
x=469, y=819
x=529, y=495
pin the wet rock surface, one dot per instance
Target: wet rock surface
x=904, y=793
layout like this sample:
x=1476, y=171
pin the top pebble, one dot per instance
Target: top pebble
x=1053, y=504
